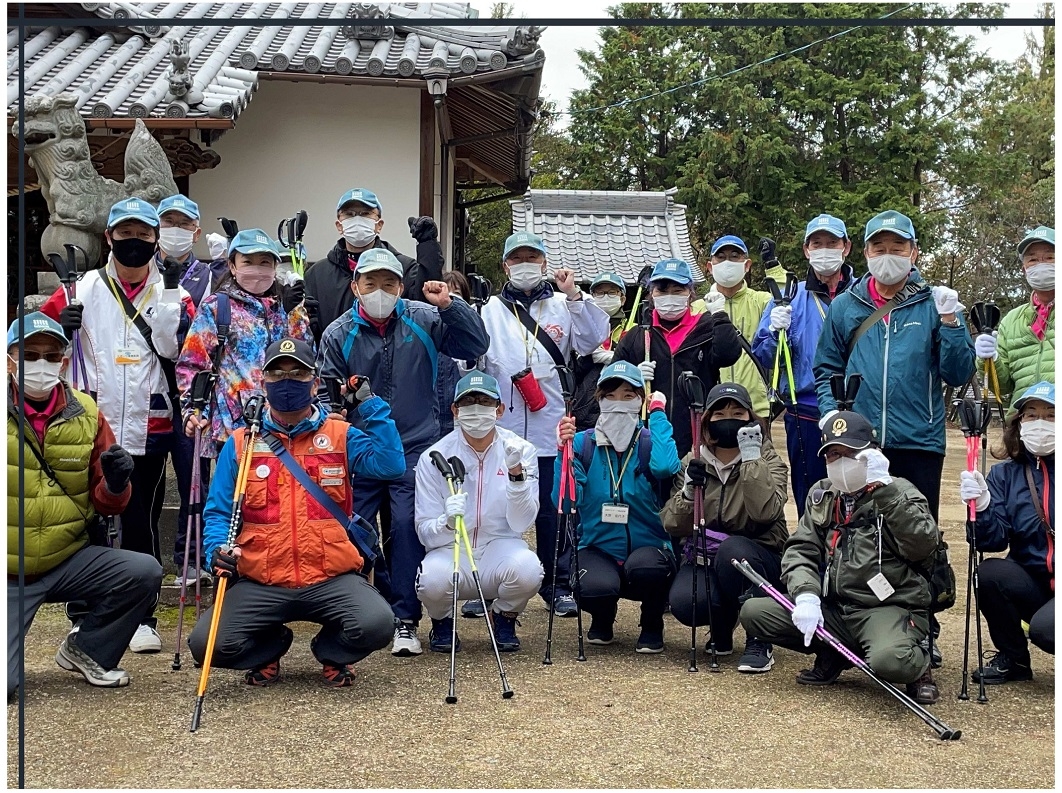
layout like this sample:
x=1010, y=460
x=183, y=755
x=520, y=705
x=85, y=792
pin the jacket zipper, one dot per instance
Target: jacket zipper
x=479, y=505
x=294, y=524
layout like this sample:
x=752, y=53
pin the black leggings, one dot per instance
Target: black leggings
x=646, y=577
x=1009, y=594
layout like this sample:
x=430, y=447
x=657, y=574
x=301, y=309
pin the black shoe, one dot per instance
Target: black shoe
x=442, y=635
x=1001, y=668
x=936, y=660
x=600, y=632
x=924, y=690
x=473, y=608
x=725, y=645
x=757, y=658
x=504, y=623
x=828, y=667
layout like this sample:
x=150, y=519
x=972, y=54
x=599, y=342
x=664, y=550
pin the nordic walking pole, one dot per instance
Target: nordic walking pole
x=643, y=282
x=252, y=416
x=570, y=532
x=440, y=463
x=986, y=317
x=782, y=351
x=67, y=270
x=943, y=731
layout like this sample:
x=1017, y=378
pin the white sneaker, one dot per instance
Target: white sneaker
x=190, y=577
x=146, y=640
x=74, y=659
x=406, y=642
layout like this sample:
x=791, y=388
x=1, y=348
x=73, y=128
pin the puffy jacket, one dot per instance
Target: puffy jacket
x=750, y=503
x=593, y=487
x=286, y=538
x=496, y=507
x=402, y=365
x=903, y=363
x=1011, y=520
x=1024, y=360
x=909, y=537
x=810, y=305
x=745, y=309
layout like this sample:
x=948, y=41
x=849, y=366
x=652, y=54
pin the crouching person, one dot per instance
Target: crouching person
x=292, y=560
x=502, y=476
x=73, y=470
x=869, y=532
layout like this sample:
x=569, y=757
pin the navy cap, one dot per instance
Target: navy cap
x=725, y=391
x=847, y=428
x=295, y=349
x=362, y=196
x=731, y=240
x=477, y=382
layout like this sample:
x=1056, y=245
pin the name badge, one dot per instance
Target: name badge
x=126, y=355
x=542, y=369
x=881, y=587
x=614, y=513
x=331, y=482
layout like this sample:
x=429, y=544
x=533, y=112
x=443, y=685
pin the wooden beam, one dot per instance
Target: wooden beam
x=427, y=154
x=161, y=123
x=497, y=177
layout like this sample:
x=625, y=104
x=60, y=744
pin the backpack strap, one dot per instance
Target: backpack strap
x=909, y=289
x=222, y=319
x=586, y=449
x=645, y=449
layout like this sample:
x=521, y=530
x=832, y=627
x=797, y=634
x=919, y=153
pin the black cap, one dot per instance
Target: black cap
x=725, y=391
x=846, y=428
x=290, y=348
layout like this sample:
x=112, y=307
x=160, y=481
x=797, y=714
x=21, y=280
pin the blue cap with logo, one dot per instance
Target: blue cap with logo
x=824, y=222
x=362, y=196
x=609, y=278
x=1039, y=234
x=890, y=220
x=731, y=240
x=179, y=203
x=31, y=325
x=1043, y=391
x=523, y=239
x=251, y=241
x=376, y=259
x=477, y=382
x=622, y=370
x=672, y=270
x=133, y=209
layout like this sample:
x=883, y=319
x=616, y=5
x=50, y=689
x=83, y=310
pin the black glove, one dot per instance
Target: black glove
x=70, y=319
x=171, y=273
x=358, y=389
x=223, y=563
x=117, y=465
x=423, y=229
x=768, y=252
x=697, y=471
x=293, y=295
x=312, y=306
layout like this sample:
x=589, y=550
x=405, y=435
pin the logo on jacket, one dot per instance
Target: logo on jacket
x=555, y=332
x=322, y=441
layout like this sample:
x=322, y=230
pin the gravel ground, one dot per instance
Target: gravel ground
x=618, y=720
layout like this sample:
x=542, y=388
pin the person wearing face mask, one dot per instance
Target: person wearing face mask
x=292, y=560
x=74, y=471
x=608, y=292
x=397, y=343
x=359, y=220
x=1016, y=512
x=826, y=246
x=620, y=468
x=499, y=501
x=743, y=485
x=122, y=305
x=680, y=341
x=1023, y=348
x=853, y=565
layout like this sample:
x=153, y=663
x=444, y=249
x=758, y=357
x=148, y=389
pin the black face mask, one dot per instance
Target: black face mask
x=133, y=252
x=724, y=431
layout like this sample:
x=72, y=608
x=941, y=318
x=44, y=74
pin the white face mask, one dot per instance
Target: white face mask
x=1041, y=276
x=728, y=274
x=40, y=377
x=477, y=421
x=378, y=304
x=526, y=276
x=1038, y=436
x=889, y=268
x=847, y=474
x=826, y=261
x=618, y=421
x=671, y=307
x=176, y=242
x=610, y=304
x=359, y=232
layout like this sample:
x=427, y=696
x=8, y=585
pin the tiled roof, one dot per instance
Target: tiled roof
x=596, y=231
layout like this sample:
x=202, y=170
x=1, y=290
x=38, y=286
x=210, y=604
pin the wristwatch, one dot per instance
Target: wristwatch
x=953, y=324
x=520, y=477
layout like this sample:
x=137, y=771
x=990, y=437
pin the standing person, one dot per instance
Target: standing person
x=292, y=561
x=1016, y=511
x=1024, y=348
x=533, y=330
x=608, y=292
x=742, y=480
x=129, y=316
x=624, y=552
x=826, y=246
x=679, y=341
x=501, y=471
x=450, y=370
x=359, y=219
x=868, y=531
x=396, y=343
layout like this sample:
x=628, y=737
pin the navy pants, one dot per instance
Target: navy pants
x=182, y=455
x=546, y=536
x=802, y=439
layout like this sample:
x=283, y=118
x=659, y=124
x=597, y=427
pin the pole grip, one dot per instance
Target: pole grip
x=441, y=464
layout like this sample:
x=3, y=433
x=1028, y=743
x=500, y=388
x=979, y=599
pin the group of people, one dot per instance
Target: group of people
x=375, y=364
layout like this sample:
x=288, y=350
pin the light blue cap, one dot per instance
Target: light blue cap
x=609, y=278
x=376, y=259
x=251, y=241
x=622, y=370
x=828, y=223
x=179, y=203
x=672, y=270
x=133, y=209
x=523, y=239
x=893, y=221
x=1039, y=234
x=362, y=196
x=732, y=240
x=1043, y=391
x=477, y=382
x=32, y=324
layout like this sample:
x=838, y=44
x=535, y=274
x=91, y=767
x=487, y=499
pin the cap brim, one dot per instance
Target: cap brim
x=375, y=268
x=530, y=247
x=291, y=357
x=678, y=280
x=1033, y=398
x=625, y=378
x=467, y=391
x=54, y=334
x=833, y=232
x=842, y=442
x=1025, y=243
x=747, y=404
x=897, y=232
x=123, y=218
x=184, y=212
x=248, y=250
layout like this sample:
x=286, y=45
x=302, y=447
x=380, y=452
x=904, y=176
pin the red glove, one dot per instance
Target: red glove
x=657, y=401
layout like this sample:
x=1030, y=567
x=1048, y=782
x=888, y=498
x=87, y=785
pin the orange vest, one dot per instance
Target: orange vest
x=287, y=538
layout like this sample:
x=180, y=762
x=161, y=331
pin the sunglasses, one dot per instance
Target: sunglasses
x=50, y=357
x=275, y=375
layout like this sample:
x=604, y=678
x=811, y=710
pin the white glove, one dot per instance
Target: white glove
x=877, y=466
x=807, y=615
x=973, y=487
x=513, y=454
x=217, y=244
x=455, y=508
x=985, y=346
x=947, y=300
x=603, y=356
x=825, y=419
x=781, y=317
x=713, y=302
x=647, y=368
x=750, y=442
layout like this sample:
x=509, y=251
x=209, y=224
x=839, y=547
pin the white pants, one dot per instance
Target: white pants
x=509, y=573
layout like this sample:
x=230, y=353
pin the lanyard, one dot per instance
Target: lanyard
x=529, y=344
x=818, y=305
x=615, y=481
x=143, y=299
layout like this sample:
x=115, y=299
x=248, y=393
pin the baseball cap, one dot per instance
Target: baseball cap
x=523, y=239
x=133, y=209
x=893, y=221
x=290, y=348
x=609, y=278
x=1043, y=391
x=477, y=382
x=1039, y=234
x=376, y=259
x=828, y=223
x=729, y=239
x=362, y=196
x=672, y=270
x=725, y=391
x=179, y=203
x=621, y=370
x=847, y=428
x=31, y=325
x=253, y=241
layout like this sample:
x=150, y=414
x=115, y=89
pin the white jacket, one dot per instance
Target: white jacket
x=496, y=508
x=129, y=394
x=572, y=324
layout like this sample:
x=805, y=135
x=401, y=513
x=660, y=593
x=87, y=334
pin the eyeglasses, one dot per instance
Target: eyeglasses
x=275, y=375
x=359, y=213
x=477, y=399
x=187, y=225
x=50, y=357
x=731, y=256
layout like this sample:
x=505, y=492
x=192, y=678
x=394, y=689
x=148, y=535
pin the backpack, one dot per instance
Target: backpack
x=661, y=488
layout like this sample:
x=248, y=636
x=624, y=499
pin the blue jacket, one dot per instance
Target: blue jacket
x=403, y=364
x=375, y=453
x=810, y=305
x=593, y=488
x=903, y=364
x=449, y=375
x=1011, y=520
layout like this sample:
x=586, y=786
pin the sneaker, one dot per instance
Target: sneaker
x=74, y=659
x=190, y=577
x=473, y=608
x=935, y=658
x=505, y=630
x=565, y=606
x=146, y=640
x=924, y=690
x=441, y=636
x=339, y=676
x=265, y=675
x=600, y=632
x=1001, y=668
x=757, y=658
x=828, y=667
x=406, y=642
x=650, y=641
x=722, y=647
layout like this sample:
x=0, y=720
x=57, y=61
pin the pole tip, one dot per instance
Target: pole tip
x=508, y=694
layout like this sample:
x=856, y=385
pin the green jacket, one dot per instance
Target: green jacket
x=1023, y=359
x=908, y=535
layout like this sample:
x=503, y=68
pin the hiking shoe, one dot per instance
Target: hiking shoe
x=406, y=643
x=1001, y=668
x=600, y=632
x=74, y=659
x=473, y=608
x=936, y=660
x=828, y=667
x=265, y=675
x=924, y=690
x=565, y=606
x=146, y=640
x=757, y=658
x=190, y=577
x=650, y=641
x=505, y=630
x=442, y=635
x=339, y=676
